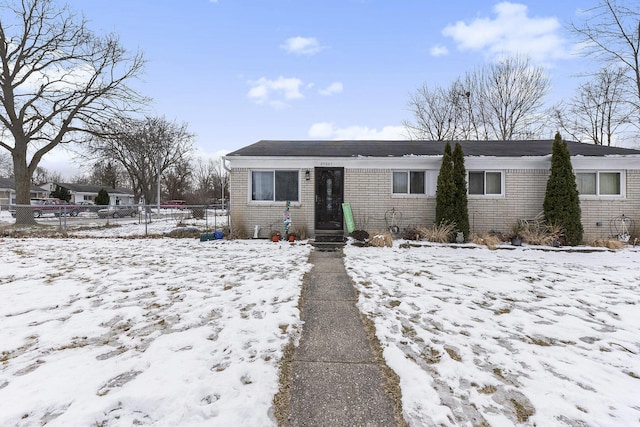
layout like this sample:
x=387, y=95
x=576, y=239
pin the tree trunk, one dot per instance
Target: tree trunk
x=22, y=174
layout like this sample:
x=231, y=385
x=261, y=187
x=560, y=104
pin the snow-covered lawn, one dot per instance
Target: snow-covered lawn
x=507, y=336
x=144, y=331
x=117, y=332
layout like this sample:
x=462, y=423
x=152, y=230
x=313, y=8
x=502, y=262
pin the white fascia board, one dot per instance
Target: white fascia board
x=432, y=162
x=616, y=162
x=418, y=162
x=501, y=163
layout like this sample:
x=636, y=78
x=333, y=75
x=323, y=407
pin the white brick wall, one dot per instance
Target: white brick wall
x=369, y=193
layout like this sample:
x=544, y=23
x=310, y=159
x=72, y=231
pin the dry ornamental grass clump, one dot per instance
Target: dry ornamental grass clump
x=607, y=243
x=489, y=240
x=437, y=233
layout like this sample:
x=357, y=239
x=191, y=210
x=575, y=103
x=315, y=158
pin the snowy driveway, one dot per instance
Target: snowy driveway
x=507, y=336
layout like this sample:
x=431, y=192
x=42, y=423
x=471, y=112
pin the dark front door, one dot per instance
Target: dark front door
x=329, y=197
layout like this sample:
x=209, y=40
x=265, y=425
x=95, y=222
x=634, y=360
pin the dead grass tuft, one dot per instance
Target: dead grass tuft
x=453, y=354
x=238, y=230
x=300, y=231
x=488, y=389
x=614, y=244
x=441, y=233
x=431, y=355
x=522, y=412
x=491, y=241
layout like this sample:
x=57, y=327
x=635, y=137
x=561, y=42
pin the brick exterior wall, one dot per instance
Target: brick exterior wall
x=369, y=191
x=598, y=214
x=269, y=216
x=524, y=194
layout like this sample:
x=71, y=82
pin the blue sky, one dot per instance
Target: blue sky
x=238, y=71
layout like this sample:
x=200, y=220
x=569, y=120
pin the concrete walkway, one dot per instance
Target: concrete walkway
x=336, y=378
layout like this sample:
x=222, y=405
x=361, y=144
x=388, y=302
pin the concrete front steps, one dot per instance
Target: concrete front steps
x=328, y=240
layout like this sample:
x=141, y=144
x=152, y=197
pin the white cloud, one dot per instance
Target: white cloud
x=333, y=88
x=275, y=92
x=325, y=130
x=302, y=45
x=439, y=50
x=511, y=32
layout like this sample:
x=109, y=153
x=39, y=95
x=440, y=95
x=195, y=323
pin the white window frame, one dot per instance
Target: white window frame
x=597, y=195
x=408, y=175
x=430, y=178
x=272, y=201
x=484, y=172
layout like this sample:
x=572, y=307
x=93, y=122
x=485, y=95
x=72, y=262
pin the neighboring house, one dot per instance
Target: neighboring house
x=87, y=192
x=8, y=191
x=394, y=183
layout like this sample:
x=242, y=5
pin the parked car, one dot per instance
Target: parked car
x=66, y=208
x=174, y=204
x=88, y=206
x=51, y=205
x=118, y=211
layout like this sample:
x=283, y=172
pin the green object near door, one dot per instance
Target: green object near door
x=348, y=217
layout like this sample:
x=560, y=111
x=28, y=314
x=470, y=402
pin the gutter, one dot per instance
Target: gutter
x=224, y=165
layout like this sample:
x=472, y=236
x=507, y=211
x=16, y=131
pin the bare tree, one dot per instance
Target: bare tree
x=598, y=110
x=6, y=166
x=145, y=149
x=210, y=180
x=512, y=92
x=81, y=178
x=501, y=101
x=57, y=80
x=435, y=113
x=42, y=176
x=177, y=180
x=610, y=32
x=108, y=173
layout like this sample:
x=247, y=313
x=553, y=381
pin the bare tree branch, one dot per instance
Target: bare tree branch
x=58, y=80
x=499, y=101
x=145, y=149
x=610, y=32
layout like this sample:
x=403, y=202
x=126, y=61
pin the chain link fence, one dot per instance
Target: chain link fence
x=121, y=220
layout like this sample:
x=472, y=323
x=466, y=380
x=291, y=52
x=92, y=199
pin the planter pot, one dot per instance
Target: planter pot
x=292, y=238
x=275, y=238
x=516, y=241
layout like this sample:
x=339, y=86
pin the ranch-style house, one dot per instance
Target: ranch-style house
x=393, y=183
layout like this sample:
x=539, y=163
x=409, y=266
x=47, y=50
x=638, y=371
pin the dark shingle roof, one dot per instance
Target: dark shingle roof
x=418, y=148
x=11, y=184
x=90, y=188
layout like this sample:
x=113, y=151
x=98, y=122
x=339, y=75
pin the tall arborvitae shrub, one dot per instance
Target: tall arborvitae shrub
x=460, y=212
x=102, y=198
x=445, y=190
x=561, y=202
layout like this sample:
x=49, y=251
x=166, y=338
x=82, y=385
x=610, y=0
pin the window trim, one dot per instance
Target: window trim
x=425, y=183
x=484, y=177
x=597, y=195
x=273, y=202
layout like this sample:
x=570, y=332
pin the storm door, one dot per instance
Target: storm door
x=329, y=198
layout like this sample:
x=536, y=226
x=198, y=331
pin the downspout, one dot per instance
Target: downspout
x=223, y=160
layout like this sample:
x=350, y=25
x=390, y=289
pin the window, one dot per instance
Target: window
x=276, y=186
x=409, y=182
x=484, y=183
x=599, y=183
